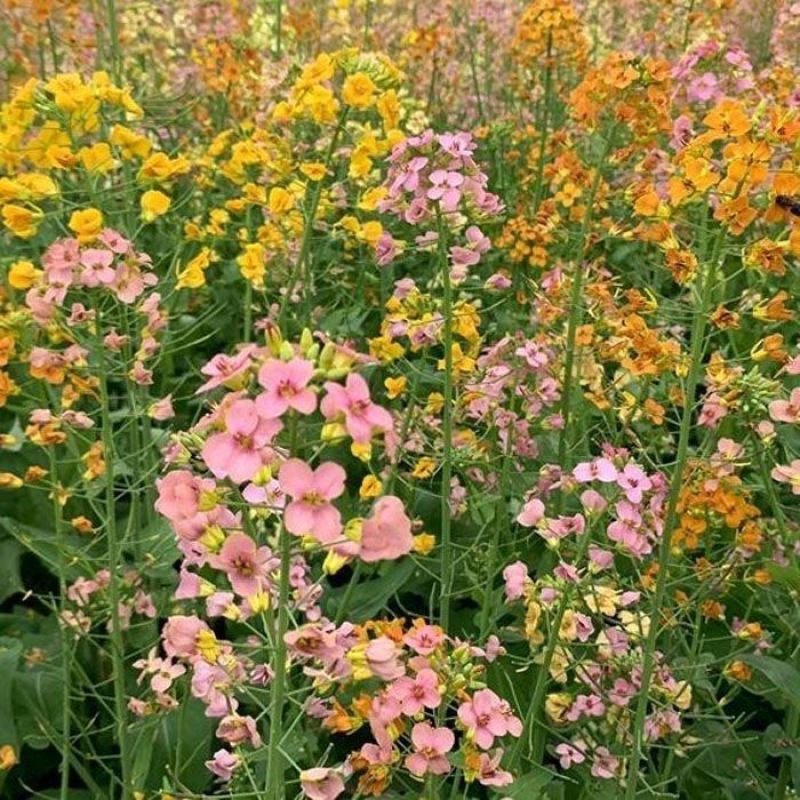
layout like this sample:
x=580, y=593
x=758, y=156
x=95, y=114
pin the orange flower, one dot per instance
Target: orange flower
x=727, y=119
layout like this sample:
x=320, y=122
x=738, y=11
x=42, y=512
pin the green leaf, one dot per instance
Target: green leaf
x=371, y=596
x=10, y=651
x=788, y=576
x=529, y=786
x=10, y=579
x=784, y=677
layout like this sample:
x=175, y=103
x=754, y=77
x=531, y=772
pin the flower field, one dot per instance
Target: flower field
x=399, y=398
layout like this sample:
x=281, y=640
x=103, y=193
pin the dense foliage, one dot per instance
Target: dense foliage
x=399, y=399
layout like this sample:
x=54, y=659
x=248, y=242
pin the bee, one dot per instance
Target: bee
x=789, y=203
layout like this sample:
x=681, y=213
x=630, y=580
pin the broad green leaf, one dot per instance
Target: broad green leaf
x=784, y=677
x=371, y=596
x=10, y=579
x=529, y=786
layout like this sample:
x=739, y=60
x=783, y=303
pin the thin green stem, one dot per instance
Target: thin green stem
x=544, y=125
x=302, y=270
x=113, y=41
x=278, y=27
x=576, y=314
x=534, y=730
x=113, y=556
x=275, y=762
x=66, y=640
x=501, y=525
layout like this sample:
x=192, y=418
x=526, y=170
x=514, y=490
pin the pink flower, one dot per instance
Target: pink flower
x=487, y=716
x=245, y=564
x=532, y=513
x=179, y=636
x=415, y=694
x=224, y=764
x=515, y=576
x=285, y=387
x=430, y=748
x=321, y=783
x=162, y=671
x=786, y=410
x=383, y=659
x=703, y=88
x=570, y=754
x=179, y=494
x=424, y=639
x=445, y=187
x=234, y=729
x=788, y=473
x=604, y=765
x=238, y=452
x=386, y=535
x=97, y=269
x=489, y=772
x=311, y=512
x=601, y=469
x=223, y=368
x=361, y=415
x=634, y=482
x=162, y=409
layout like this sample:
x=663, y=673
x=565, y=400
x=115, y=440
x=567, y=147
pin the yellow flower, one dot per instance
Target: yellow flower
x=435, y=403
x=10, y=481
x=154, y=204
x=82, y=525
x=8, y=757
x=97, y=158
x=94, y=461
x=22, y=220
x=359, y=90
x=193, y=276
x=130, y=143
x=370, y=199
x=395, y=386
x=86, y=224
x=280, y=200
x=21, y=275
x=160, y=167
x=370, y=487
x=424, y=543
x=389, y=108
x=36, y=186
x=314, y=171
x=253, y=264
x=424, y=468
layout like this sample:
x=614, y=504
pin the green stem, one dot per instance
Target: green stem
x=576, y=315
x=302, y=270
x=531, y=725
x=544, y=124
x=113, y=40
x=66, y=641
x=113, y=553
x=275, y=765
x=792, y=725
x=501, y=524
x=447, y=433
x=278, y=27
x=247, y=333
x=697, y=340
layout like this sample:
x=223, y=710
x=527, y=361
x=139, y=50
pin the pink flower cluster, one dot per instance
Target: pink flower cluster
x=430, y=698
x=111, y=262
x=633, y=500
x=89, y=600
x=432, y=178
